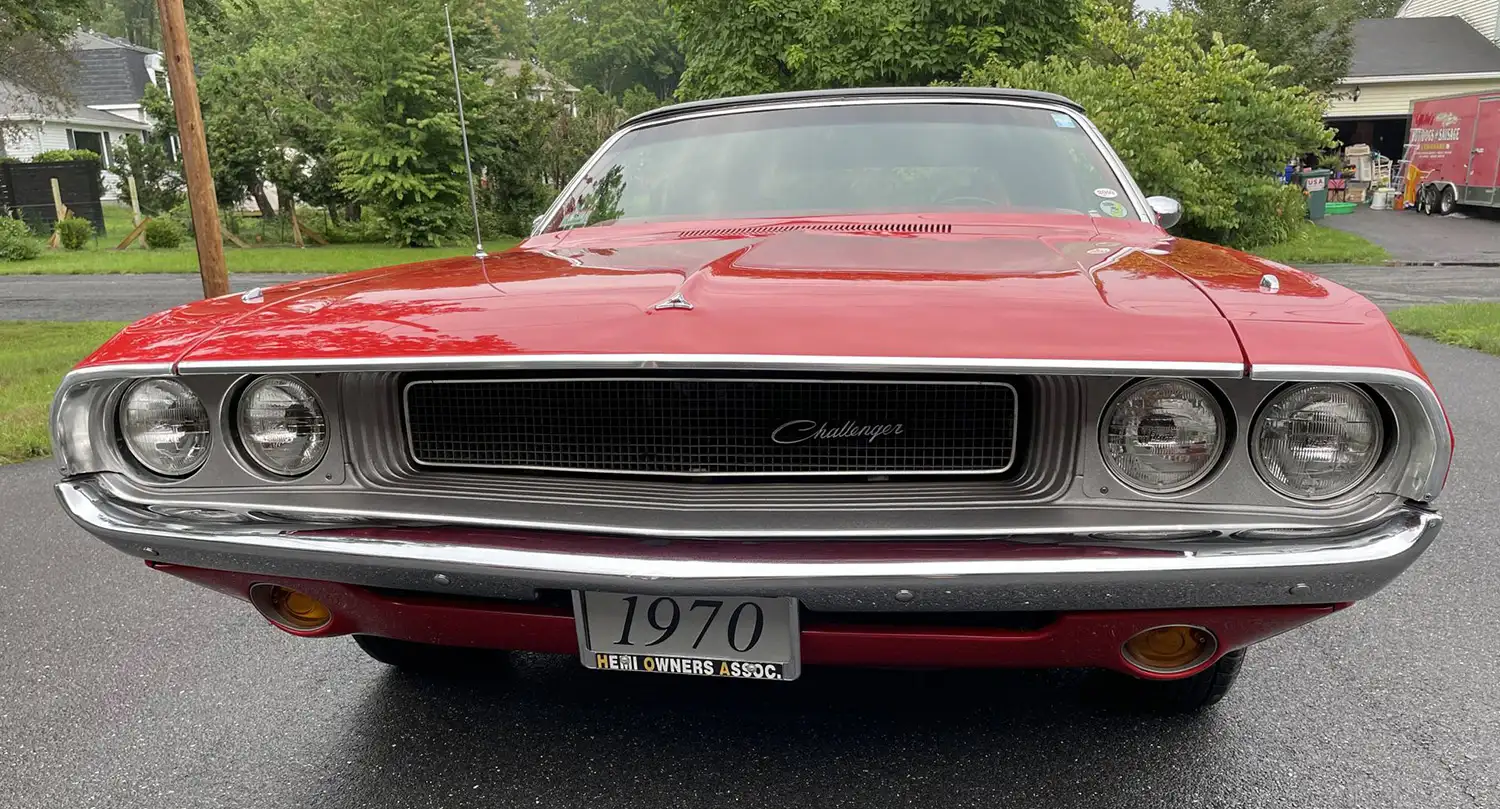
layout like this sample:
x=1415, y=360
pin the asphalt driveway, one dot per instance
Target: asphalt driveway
x=1472, y=236
x=122, y=687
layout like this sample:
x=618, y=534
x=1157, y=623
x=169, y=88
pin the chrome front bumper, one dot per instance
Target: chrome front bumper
x=1059, y=572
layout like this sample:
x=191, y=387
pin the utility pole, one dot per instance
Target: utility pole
x=200, y=181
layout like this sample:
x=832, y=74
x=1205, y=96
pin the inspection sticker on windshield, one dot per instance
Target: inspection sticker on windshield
x=1112, y=208
x=575, y=219
x=1106, y=193
x=1064, y=121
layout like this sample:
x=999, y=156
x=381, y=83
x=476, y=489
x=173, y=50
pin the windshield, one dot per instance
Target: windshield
x=864, y=158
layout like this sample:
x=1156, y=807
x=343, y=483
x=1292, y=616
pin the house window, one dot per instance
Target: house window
x=96, y=142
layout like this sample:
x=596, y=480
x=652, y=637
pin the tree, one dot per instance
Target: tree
x=1366, y=9
x=734, y=47
x=396, y=140
x=610, y=44
x=34, y=52
x=156, y=178
x=1210, y=126
x=1312, y=37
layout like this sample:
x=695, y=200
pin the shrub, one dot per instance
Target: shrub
x=163, y=234
x=156, y=178
x=1212, y=127
x=63, y=155
x=74, y=233
x=16, y=241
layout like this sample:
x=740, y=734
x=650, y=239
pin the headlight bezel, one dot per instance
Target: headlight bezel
x=1385, y=440
x=134, y=456
x=1224, y=416
x=253, y=458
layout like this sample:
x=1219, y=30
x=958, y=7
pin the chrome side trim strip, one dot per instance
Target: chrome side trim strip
x=723, y=362
x=1417, y=387
x=977, y=575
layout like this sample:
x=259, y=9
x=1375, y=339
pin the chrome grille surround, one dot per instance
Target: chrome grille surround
x=714, y=426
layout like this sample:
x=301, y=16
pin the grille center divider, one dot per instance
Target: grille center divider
x=768, y=425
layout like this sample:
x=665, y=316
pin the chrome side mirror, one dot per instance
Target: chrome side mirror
x=1168, y=211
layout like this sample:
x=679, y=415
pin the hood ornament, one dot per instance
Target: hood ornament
x=255, y=295
x=677, y=301
x=1270, y=283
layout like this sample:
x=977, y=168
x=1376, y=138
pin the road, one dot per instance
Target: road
x=122, y=687
x=111, y=297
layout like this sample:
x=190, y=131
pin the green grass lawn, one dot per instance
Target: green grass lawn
x=1316, y=244
x=33, y=358
x=100, y=257
x=319, y=260
x=1471, y=325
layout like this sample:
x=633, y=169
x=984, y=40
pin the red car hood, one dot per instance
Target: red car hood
x=1044, y=288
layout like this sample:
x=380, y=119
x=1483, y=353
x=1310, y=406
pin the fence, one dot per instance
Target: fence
x=26, y=189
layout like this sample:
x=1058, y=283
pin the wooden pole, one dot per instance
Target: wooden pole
x=200, y=182
x=135, y=201
x=60, y=209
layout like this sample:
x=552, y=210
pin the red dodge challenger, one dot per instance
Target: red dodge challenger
x=868, y=378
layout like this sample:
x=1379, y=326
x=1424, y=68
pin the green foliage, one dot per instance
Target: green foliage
x=1211, y=127
x=16, y=241
x=734, y=47
x=164, y=234
x=610, y=45
x=638, y=100
x=396, y=140
x=64, y=155
x=157, y=180
x=1366, y=9
x=74, y=233
x=1311, y=37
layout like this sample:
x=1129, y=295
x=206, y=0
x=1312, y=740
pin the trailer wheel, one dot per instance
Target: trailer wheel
x=1447, y=201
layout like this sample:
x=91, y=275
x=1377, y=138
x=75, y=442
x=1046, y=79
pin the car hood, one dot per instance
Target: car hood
x=1064, y=291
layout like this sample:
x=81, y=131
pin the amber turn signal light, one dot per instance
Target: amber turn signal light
x=289, y=608
x=1170, y=649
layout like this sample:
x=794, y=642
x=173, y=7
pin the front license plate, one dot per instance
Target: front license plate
x=719, y=636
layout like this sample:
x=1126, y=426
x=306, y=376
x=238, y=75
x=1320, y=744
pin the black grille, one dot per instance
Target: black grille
x=691, y=426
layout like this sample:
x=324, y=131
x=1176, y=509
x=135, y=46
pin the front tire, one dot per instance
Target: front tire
x=1447, y=201
x=1187, y=695
x=1427, y=200
x=426, y=658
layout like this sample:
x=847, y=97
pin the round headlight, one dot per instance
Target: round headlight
x=281, y=426
x=165, y=427
x=1162, y=435
x=1317, y=441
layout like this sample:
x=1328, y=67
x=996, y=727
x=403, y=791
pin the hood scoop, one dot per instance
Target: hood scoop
x=826, y=227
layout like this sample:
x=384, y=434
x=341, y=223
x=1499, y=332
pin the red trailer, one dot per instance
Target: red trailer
x=1455, y=147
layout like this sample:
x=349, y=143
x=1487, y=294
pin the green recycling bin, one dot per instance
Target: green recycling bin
x=1314, y=183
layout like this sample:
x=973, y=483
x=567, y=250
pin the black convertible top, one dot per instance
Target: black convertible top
x=665, y=113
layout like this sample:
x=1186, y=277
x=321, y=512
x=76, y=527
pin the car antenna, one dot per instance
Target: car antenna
x=463, y=129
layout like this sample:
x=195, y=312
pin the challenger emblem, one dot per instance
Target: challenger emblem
x=803, y=430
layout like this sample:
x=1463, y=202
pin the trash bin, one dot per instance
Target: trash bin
x=1314, y=184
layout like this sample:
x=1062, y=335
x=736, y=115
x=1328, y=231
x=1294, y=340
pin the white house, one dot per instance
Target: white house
x=108, y=86
x=33, y=126
x=1431, y=48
